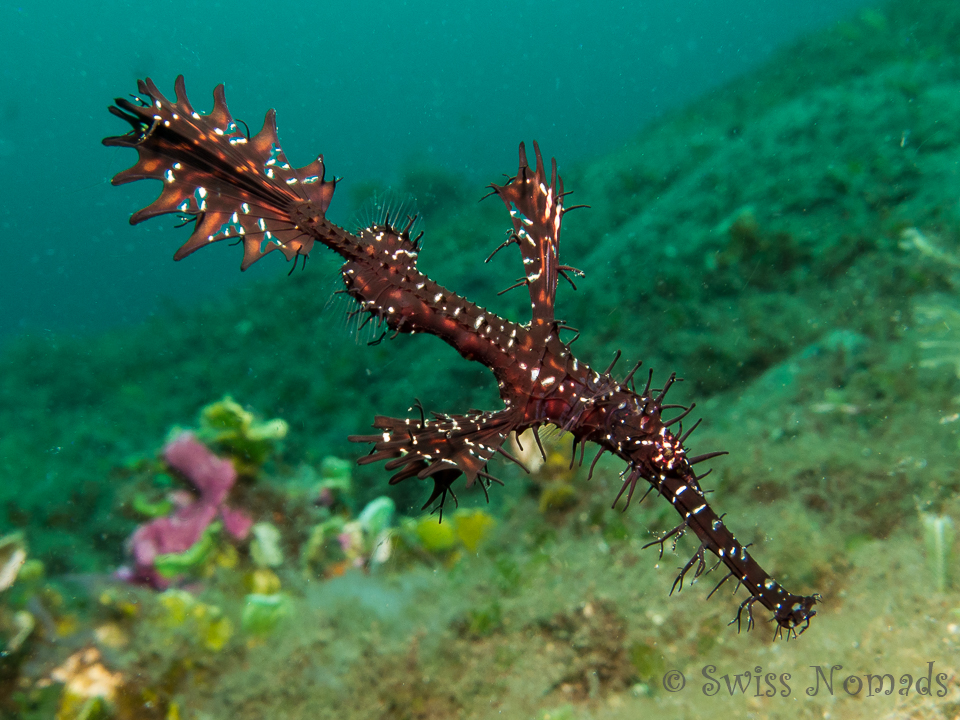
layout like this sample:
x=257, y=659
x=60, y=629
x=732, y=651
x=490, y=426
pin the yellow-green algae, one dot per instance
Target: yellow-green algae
x=226, y=426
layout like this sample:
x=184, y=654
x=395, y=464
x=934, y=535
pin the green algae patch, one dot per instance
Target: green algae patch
x=230, y=428
x=263, y=613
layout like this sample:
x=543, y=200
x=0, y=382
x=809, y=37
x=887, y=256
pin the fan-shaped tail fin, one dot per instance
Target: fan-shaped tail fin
x=233, y=186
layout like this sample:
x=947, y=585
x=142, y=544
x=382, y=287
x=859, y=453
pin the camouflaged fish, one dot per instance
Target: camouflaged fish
x=242, y=189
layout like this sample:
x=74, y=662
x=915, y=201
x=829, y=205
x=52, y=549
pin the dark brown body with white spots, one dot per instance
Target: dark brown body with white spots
x=242, y=188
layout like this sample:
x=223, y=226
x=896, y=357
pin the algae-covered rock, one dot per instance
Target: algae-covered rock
x=16, y=623
x=938, y=538
x=194, y=561
x=556, y=497
x=322, y=551
x=263, y=581
x=367, y=540
x=465, y=529
x=262, y=613
x=339, y=543
x=335, y=488
x=142, y=505
x=377, y=516
x=265, y=547
x=202, y=624
x=236, y=431
x=435, y=536
x=376, y=520
x=13, y=555
x=472, y=527
x=89, y=687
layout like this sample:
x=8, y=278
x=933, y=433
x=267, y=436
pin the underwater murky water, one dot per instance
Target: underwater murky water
x=185, y=533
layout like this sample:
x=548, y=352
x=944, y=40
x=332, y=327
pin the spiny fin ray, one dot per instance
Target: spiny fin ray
x=536, y=208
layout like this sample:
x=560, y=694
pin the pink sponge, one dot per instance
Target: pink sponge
x=212, y=477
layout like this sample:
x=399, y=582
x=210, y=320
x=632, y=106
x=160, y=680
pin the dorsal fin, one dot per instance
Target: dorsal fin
x=233, y=186
x=536, y=208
